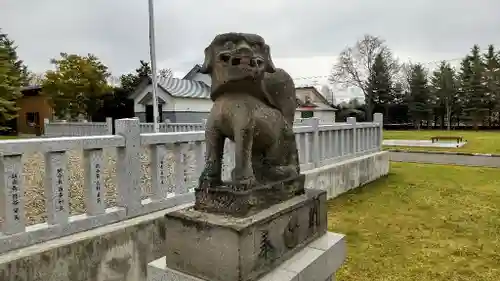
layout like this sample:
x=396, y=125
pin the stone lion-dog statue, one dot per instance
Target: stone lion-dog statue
x=254, y=106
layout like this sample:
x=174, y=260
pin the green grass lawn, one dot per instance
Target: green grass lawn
x=422, y=222
x=477, y=141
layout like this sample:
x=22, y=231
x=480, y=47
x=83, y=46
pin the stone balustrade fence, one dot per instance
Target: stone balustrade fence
x=72, y=129
x=318, y=145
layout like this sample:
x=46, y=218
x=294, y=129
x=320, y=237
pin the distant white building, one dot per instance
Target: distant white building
x=179, y=100
x=187, y=100
x=311, y=103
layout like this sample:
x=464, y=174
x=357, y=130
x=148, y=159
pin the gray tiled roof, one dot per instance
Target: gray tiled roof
x=183, y=88
x=31, y=87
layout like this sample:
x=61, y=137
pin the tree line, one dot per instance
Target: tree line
x=410, y=93
x=77, y=86
x=407, y=93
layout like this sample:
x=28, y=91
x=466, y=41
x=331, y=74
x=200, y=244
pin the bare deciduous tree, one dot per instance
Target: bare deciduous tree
x=355, y=63
x=165, y=73
x=35, y=78
x=328, y=94
x=403, y=76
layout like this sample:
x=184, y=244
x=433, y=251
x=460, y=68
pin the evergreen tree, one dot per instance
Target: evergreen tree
x=11, y=80
x=418, y=96
x=492, y=81
x=464, y=77
x=476, y=99
x=380, y=84
x=17, y=64
x=129, y=82
x=352, y=108
x=443, y=87
x=9, y=90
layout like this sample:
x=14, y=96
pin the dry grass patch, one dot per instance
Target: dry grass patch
x=423, y=222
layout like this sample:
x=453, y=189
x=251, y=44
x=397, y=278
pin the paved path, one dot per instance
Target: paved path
x=462, y=159
x=424, y=143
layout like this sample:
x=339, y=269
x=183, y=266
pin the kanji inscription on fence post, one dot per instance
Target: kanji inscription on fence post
x=12, y=195
x=14, y=188
x=179, y=168
x=60, y=189
x=199, y=149
x=95, y=190
x=56, y=187
x=158, y=171
x=162, y=171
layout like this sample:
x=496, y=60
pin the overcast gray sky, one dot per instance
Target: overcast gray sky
x=305, y=35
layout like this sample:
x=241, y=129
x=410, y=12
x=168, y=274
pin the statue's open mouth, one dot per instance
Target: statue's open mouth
x=242, y=60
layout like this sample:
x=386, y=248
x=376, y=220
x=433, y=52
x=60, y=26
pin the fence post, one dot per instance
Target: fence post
x=12, y=198
x=354, y=141
x=45, y=125
x=167, y=127
x=379, y=118
x=314, y=149
x=109, y=125
x=128, y=165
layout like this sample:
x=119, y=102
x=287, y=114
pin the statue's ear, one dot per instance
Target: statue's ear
x=270, y=68
x=207, y=64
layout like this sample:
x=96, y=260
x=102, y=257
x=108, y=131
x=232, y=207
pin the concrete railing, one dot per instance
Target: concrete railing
x=168, y=127
x=319, y=145
x=73, y=129
x=68, y=129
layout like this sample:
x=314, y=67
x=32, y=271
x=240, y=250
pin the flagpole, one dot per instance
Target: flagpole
x=152, y=54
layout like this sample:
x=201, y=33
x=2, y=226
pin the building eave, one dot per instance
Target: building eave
x=196, y=68
x=316, y=92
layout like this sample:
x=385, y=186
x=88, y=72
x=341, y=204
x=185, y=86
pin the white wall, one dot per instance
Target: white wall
x=173, y=104
x=302, y=93
x=161, y=94
x=189, y=104
x=325, y=117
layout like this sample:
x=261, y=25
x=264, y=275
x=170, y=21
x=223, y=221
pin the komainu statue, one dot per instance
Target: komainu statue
x=254, y=106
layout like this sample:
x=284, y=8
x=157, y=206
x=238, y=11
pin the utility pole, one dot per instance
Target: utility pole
x=152, y=53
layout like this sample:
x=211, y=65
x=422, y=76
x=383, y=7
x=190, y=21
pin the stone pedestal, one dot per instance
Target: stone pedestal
x=223, y=248
x=236, y=201
x=318, y=261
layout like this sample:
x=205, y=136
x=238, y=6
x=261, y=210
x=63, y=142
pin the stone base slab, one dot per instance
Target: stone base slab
x=318, y=261
x=224, y=248
x=234, y=200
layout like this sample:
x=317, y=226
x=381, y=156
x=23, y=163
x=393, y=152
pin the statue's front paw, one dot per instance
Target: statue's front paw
x=207, y=181
x=282, y=172
x=246, y=183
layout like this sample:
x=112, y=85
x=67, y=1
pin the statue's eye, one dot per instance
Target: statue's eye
x=229, y=44
x=258, y=47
